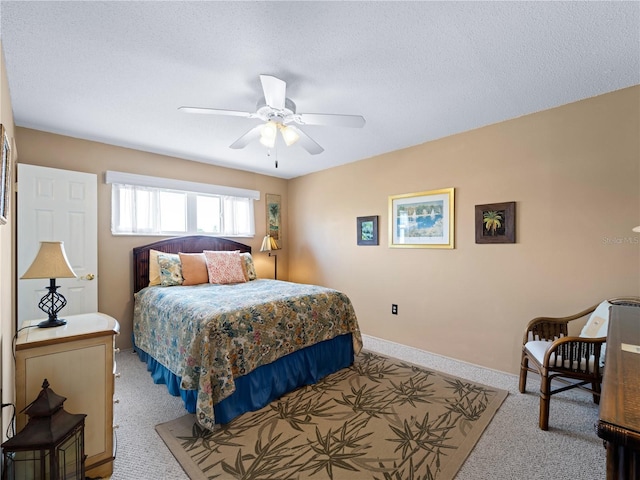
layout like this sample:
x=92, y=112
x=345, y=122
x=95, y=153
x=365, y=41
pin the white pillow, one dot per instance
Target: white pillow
x=154, y=268
x=598, y=322
x=597, y=326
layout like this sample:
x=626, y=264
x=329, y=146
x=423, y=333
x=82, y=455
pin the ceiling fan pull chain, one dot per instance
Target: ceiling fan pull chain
x=269, y=154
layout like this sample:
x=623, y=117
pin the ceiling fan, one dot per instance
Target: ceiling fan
x=279, y=115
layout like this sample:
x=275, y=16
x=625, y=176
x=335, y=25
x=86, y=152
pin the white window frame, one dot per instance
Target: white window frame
x=230, y=197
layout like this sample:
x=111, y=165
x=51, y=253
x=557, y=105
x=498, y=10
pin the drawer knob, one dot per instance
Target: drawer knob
x=117, y=400
x=117, y=375
x=117, y=350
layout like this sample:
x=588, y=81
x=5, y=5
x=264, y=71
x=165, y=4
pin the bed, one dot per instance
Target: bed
x=231, y=348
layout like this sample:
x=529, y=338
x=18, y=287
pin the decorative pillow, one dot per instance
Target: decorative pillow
x=598, y=322
x=194, y=268
x=224, y=267
x=170, y=269
x=597, y=326
x=154, y=268
x=249, y=267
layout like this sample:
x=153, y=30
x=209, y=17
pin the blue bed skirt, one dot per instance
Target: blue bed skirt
x=265, y=383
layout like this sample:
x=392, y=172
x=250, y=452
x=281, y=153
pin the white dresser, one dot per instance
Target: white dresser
x=78, y=361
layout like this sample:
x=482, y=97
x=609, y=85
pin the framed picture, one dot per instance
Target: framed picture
x=422, y=220
x=273, y=215
x=496, y=223
x=367, y=230
x=5, y=176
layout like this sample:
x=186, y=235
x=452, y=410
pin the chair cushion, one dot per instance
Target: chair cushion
x=598, y=322
x=538, y=348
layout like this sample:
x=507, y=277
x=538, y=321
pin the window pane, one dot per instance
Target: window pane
x=124, y=204
x=241, y=215
x=173, y=212
x=208, y=214
x=144, y=210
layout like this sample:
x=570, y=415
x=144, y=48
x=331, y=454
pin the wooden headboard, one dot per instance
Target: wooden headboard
x=191, y=244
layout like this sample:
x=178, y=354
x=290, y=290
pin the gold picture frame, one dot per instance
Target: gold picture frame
x=422, y=219
x=5, y=176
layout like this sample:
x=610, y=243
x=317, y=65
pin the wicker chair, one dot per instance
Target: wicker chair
x=576, y=362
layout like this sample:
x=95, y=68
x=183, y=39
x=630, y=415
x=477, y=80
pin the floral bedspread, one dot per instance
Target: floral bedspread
x=210, y=334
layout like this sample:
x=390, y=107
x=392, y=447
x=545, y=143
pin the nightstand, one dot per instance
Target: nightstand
x=78, y=361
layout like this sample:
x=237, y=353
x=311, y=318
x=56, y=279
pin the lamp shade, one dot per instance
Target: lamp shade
x=50, y=262
x=269, y=243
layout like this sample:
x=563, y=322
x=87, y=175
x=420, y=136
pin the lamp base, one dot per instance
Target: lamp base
x=58, y=322
x=51, y=304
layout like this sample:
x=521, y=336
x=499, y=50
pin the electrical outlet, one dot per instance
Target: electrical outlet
x=394, y=309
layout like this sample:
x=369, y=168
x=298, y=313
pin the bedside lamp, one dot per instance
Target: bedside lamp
x=268, y=244
x=51, y=262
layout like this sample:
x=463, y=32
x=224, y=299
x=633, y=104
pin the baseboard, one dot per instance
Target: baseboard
x=409, y=349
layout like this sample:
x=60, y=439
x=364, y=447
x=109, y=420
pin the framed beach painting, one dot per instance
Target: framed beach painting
x=422, y=220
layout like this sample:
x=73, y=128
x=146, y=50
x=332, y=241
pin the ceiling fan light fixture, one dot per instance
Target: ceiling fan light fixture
x=268, y=134
x=289, y=135
x=278, y=113
x=268, y=142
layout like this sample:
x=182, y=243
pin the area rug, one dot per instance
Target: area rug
x=380, y=419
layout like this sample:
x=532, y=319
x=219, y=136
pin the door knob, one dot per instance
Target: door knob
x=88, y=276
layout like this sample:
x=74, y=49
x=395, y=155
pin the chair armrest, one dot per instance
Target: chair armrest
x=578, y=354
x=551, y=328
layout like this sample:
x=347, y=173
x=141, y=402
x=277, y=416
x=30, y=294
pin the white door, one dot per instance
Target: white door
x=56, y=205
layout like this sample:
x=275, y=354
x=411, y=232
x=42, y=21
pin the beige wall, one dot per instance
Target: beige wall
x=115, y=274
x=7, y=324
x=574, y=172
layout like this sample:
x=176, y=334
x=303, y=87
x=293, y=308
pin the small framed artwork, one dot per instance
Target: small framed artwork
x=368, y=230
x=496, y=223
x=273, y=215
x=422, y=220
x=5, y=176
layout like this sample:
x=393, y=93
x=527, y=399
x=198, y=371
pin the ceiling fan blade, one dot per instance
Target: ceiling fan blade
x=306, y=142
x=216, y=111
x=275, y=91
x=247, y=138
x=332, y=120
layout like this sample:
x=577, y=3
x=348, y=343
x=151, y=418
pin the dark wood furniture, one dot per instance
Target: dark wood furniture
x=619, y=419
x=257, y=388
x=190, y=244
x=569, y=360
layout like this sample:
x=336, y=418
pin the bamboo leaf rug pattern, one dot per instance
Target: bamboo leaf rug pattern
x=380, y=419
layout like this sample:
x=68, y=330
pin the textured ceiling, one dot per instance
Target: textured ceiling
x=116, y=72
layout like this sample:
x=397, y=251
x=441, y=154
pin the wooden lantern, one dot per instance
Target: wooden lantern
x=50, y=446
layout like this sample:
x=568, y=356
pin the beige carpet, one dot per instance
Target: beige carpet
x=381, y=419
